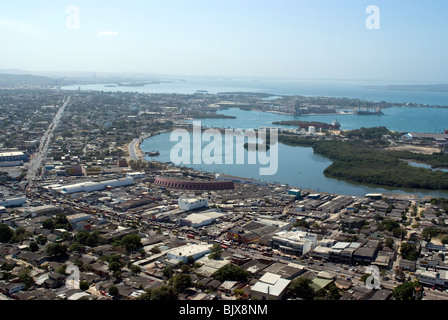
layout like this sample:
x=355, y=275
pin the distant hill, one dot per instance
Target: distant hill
x=21, y=80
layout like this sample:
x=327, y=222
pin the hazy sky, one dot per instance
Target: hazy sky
x=250, y=38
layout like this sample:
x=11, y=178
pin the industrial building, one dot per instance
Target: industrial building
x=13, y=201
x=336, y=204
x=182, y=253
x=38, y=211
x=90, y=186
x=13, y=156
x=202, y=218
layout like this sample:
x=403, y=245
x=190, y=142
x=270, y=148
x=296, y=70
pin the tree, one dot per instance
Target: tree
x=155, y=250
x=48, y=224
x=364, y=277
x=388, y=224
x=231, y=272
x=84, y=285
x=399, y=233
x=389, y=242
x=301, y=288
x=33, y=246
x=81, y=237
x=168, y=271
x=180, y=282
x=76, y=247
x=190, y=260
x=94, y=239
x=115, y=266
x=135, y=269
x=26, y=278
x=408, y=251
x=215, y=252
x=41, y=239
x=405, y=291
x=239, y=293
x=132, y=242
x=6, y=233
x=62, y=269
x=20, y=234
x=113, y=291
x=445, y=240
x=56, y=249
x=301, y=223
x=163, y=293
x=428, y=233
x=333, y=292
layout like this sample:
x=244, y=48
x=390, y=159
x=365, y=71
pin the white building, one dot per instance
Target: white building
x=200, y=219
x=270, y=286
x=311, y=130
x=13, y=201
x=12, y=156
x=294, y=242
x=136, y=175
x=195, y=251
x=192, y=203
x=90, y=186
x=437, y=278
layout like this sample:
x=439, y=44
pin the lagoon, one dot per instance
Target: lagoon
x=298, y=167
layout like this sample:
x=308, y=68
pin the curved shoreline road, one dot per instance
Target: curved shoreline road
x=36, y=162
x=134, y=150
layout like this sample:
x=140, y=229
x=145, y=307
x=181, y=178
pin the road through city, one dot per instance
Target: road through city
x=38, y=158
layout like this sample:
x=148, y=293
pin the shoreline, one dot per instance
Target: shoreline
x=137, y=146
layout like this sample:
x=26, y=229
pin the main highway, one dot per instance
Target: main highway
x=37, y=160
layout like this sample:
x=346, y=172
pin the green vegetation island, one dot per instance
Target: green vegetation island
x=364, y=159
x=211, y=115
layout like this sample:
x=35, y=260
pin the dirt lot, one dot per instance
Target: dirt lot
x=415, y=149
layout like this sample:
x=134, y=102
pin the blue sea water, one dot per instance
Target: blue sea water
x=329, y=88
